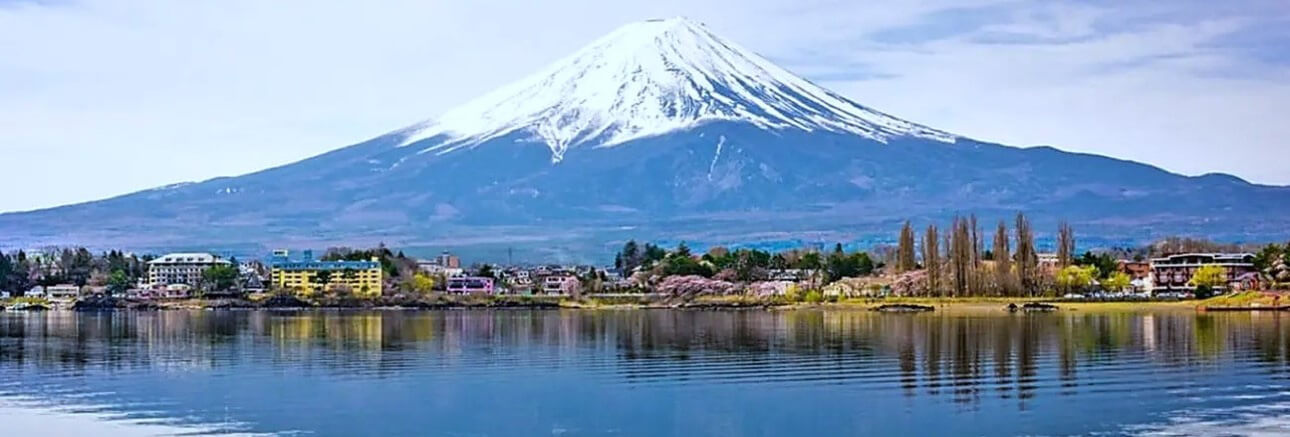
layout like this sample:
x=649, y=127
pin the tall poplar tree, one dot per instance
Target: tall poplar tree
x=1065, y=245
x=1026, y=259
x=932, y=260
x=905, y=257
x=1003, y=280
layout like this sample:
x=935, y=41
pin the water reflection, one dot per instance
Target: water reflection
x=1127, y=368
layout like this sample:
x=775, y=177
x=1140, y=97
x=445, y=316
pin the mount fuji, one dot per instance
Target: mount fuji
x=664, y=130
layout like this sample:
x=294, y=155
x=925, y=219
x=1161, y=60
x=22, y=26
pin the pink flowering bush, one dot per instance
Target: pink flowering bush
x=688, y=286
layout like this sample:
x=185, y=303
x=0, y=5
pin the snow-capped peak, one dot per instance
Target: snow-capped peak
x=650, y=78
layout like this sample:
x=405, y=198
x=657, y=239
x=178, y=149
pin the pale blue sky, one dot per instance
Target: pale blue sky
x=104, y=97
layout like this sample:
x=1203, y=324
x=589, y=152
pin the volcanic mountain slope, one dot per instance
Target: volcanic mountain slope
x=660, y=129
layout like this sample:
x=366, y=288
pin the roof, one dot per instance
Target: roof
x=1216, y=256
x=326, y=265
x=188, y=258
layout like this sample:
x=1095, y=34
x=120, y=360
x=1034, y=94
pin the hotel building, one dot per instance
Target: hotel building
x=363, y=278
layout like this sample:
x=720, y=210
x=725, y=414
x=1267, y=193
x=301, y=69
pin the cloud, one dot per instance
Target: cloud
x=101, y=97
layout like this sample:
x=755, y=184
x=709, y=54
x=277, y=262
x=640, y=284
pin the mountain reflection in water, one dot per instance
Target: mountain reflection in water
x=654, y=372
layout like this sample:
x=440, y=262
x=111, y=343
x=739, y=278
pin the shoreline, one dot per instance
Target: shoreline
x=644, y=302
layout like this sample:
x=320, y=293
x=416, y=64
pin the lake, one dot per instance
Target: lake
x=643, y=373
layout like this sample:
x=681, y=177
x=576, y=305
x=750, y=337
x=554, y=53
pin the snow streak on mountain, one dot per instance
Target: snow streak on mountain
x=650, y=78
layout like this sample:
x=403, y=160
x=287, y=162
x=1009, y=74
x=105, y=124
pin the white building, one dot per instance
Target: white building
x=181, y=268
x=62, y=292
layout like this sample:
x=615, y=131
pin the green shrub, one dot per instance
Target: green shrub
x=793, y=295
x=1204, y=292
x=814, y=296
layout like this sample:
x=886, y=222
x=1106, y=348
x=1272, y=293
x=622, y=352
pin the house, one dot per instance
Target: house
x=436, y=269
x=554, y=283
x=470, y=285
x=181, y=268
x=1047, y=261
x=771, y=288
x=790, y=275
x=177, y=291
x=37, y=291
x=1135, y=269
x=141, y=293
x=857, y=287
x=363, y=278
x=1174, y=272
x=62, y=292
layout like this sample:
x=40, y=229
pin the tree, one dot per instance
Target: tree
x=486, y=271
x=864, y=263
x=653, y=254
x=1104, y=262
x=962, y=257
x=1117, y=281
x=221, y=277
x=118, y=282
x=779, y=262
x=905, y=259
x=932, y=260
x=1002, y=255
x=1075, y=278
x=1065, y=244
x=749, y=264
x=1207, y=278
x=678, y=265
x=422, y=283
x=6, y=271
x=840, y=265
x=809, y=261
x=1027, y=261
x=322, y=278
x=629, y=257
x=683, y=250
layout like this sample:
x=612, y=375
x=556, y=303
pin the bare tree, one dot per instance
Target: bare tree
x=1003, y=279
x=905, y=259
x=1026, y=259
x=932, y=260
x=1065, y=244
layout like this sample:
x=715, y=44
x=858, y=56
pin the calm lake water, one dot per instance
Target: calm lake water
x=643, y=373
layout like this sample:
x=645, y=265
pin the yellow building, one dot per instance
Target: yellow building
x=363, y=278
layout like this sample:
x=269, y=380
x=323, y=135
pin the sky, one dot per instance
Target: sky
x=104, y=97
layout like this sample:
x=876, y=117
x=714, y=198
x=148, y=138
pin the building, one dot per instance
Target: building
x=62, y=292
x=1139, y=274
x=470, y=285
x=554, y=282
x=433, y=268
x=1135, y=269
x=181, y=268
x=1172, y=273
x=448, y=260
x=1047, y=261
x=177, y=291
x=363, y=278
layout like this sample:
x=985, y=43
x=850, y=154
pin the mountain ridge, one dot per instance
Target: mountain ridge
x=609, y=146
